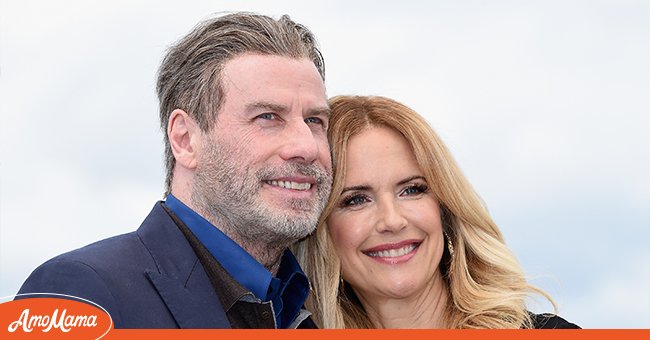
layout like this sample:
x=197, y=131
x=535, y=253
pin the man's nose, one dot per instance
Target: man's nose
x=299, y=142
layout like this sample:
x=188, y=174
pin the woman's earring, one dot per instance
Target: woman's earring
x=450, y=246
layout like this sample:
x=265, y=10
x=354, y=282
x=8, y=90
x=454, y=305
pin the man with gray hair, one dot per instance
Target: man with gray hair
x=244, y=110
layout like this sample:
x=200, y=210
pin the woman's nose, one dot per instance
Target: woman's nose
x=390, y=217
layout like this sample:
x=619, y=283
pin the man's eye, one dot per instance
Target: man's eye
x=267, y=116
x=314, y=120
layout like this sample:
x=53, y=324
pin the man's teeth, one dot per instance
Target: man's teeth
x=290, y=185
x=393, y=252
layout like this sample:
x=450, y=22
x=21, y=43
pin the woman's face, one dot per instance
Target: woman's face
x=386, y=226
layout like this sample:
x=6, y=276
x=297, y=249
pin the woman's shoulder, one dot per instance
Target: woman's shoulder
x=551, y=321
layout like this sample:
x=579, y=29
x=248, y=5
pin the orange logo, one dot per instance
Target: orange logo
x=53, y=317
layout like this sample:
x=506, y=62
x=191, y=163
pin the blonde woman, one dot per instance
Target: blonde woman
x=404, y=241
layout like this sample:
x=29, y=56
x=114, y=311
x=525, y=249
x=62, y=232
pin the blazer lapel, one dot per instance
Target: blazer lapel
x=180, y=278
x=190, y=308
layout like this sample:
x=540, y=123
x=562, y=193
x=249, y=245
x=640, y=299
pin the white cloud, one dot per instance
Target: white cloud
x=620, y=297
x=544, y=104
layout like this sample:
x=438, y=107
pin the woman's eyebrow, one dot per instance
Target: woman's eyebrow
x=408, y=179
x=355, y=188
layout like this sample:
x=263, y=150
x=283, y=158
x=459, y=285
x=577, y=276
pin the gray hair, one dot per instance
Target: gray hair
x=189, y=77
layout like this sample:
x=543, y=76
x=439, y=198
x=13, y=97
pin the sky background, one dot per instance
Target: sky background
x=544, y=104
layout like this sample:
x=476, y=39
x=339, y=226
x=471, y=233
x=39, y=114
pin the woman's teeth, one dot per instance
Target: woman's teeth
x=393, y=252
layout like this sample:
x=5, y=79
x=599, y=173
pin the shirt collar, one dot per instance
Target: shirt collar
x=288, y=290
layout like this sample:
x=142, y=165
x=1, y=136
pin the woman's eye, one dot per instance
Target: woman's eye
x=415, y=190
x=354, y=201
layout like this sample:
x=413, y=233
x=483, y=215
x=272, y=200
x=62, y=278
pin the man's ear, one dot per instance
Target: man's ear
x=184, y=138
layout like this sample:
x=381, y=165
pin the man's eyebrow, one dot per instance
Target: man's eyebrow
x=320, y=111
x=266, y=106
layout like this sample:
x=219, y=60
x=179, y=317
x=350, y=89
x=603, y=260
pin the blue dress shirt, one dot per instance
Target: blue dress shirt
x=287, y=291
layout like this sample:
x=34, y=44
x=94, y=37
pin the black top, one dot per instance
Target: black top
x=551, y=321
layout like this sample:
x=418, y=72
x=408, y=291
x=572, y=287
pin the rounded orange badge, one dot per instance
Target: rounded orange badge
x=53, y=316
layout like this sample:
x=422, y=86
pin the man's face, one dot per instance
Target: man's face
x=264, y=170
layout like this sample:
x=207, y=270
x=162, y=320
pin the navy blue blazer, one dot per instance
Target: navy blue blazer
x=150, y=278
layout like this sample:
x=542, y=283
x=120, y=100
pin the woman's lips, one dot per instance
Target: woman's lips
x=393, y=253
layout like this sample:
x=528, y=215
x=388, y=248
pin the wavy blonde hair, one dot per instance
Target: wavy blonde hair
x=486, y=284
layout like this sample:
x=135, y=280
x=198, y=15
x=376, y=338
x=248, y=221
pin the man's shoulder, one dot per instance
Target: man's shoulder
x=98, y=263
x=117, y=254
x=89, y=272
x=112, y=272
x=119, y=248
x=150, y=278
x=85, y=262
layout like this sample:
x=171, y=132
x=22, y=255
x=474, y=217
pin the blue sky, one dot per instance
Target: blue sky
x=544, y=104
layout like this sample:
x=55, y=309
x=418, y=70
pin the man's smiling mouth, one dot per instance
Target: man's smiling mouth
x=290, y=185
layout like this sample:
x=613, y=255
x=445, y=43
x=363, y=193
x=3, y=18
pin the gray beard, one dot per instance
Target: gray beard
x=226, y=193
